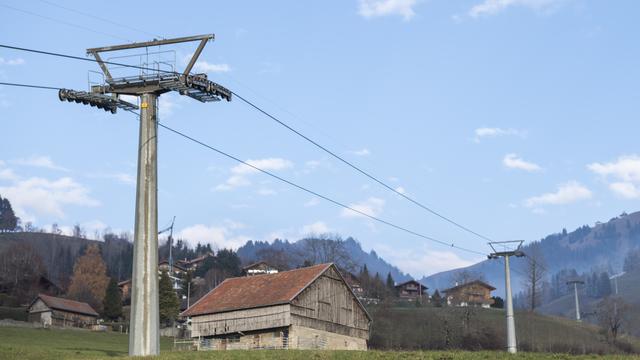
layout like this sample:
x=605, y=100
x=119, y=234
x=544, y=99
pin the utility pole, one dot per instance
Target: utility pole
x=170, y=243
x=148, y=85
x=507, y=249
x=575, y=292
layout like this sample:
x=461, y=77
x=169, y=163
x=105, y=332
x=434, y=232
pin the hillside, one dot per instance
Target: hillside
x=601, y=247
x=297, y=252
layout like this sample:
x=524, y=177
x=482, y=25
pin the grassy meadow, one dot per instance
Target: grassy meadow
x=42, y=344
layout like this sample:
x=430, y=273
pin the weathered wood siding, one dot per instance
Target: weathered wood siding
x=240, y=320
x=328, y=304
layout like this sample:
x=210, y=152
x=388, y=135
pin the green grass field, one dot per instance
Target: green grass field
x=24, y=343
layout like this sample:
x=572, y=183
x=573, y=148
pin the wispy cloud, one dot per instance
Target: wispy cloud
x=492, y=132
x=39, y=161
x=120, y=177
x=372, y=206
x=240, y=174
x=207, y=67
x=493, y=7
x=46, y=197
x=380, y=8
x=625, y=172
x=312, y=202
x=11, y=62
x=220, y=236
x=566, y=193
x=513, y=161
x=361, y=152
x=317, y=228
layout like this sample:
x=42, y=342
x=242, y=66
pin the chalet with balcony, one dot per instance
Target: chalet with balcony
x=411, y=291
x=474, y=293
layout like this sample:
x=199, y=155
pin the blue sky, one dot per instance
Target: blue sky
x=514, y=117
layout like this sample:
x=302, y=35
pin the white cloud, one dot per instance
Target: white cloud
x=401, y=190
x=567, y=193
x=361, y=152
x=266, y=192
x=240, y=173
x=39, y=161
x=493, y=7
x=207, y=67
x=513, y=161
x=487, y=132
x=7, y=174
x=625, y=189
x=312, y=202
x=372, y=206
x=11, y=62
x=122, y=178
x=46, y=197
x=316, y=228
x=421, y=261
x=219, y=236
x=167, y=104
x=379, y=8
x=626, y=172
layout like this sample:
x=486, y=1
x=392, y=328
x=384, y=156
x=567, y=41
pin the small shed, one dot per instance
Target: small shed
x=48, y=310
x=473, y=293
x=306, y=308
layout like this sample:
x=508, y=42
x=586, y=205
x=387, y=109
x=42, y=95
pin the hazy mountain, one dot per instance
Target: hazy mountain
x=601, y=247
x=297, y=252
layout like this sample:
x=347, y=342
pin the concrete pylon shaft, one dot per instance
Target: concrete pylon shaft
x=511, y=325
x=575, y=291
x=144, y=339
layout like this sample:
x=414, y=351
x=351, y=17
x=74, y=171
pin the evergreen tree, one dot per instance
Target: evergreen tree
x=391, y=285
x=8, y=219
x=112, y=303
x=436, y=299
x=604, y=285
x=169, y=303
x=498, y=302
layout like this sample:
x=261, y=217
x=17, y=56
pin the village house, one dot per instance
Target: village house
x=259, y=268
x=193, y=264
x=474, y=293
x=411, y=291
x=48, y=310
x=306, y=308
x=177, y=270
x=125, y=291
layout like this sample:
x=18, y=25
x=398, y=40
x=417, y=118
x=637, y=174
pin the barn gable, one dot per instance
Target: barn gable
x=329, y=304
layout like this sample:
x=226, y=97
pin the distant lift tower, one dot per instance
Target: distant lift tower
x=148, y=85
x=507, y=249
x=575, y=291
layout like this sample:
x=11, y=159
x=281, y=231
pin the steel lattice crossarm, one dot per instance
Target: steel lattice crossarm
x=196, y=86
x=101, y=101
x=106, y=96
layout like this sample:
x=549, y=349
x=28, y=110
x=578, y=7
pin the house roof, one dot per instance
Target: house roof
x=475, y=282
x=174, y=265
x=414, y=282
x=257, y=264
x=66, y=305
x=256, y=291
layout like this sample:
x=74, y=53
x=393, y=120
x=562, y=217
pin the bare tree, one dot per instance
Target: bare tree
x=611, y=312
x=328, y=249
x=277, y=258
x=536, y=273
x=20, y=270
x=466, y=276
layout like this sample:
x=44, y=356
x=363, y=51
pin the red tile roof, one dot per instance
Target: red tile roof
x=67, y=305
x=256, y=291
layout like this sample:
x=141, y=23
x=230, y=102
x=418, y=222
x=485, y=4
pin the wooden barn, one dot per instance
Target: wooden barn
x=48, y=310
x=474, y=293
x=307, y=308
